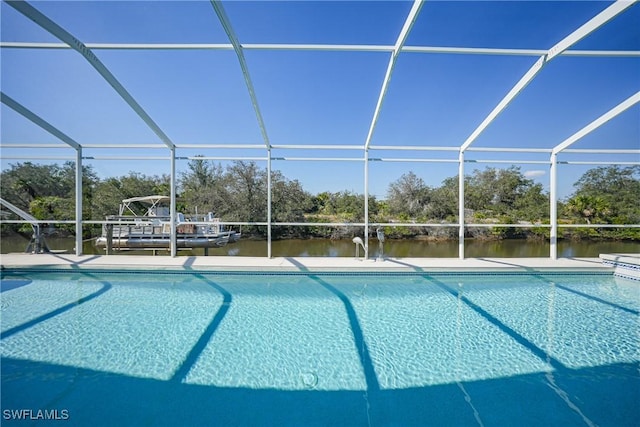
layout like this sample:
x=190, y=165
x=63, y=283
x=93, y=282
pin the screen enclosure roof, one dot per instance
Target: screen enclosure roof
x=350, y=75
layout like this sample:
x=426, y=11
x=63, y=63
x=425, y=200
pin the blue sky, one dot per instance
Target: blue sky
x=199, y=96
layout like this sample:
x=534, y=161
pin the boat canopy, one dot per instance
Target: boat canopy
x=152, y=201
x=148, y=199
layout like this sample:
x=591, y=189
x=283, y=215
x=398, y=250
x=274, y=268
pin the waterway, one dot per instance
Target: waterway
x=345, y=248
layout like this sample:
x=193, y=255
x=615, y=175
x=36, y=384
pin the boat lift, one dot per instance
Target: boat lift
x=37, y=244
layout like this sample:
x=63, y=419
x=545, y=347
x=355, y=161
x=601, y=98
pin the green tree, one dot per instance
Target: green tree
x=444, y=201
x=320, y=203
x=203, y=187
x=501, y=191
x=617, y=187
x=289, y=203
x=247, y=189
x=589, y=208
x=480, y=190
x=52, y=207
x=532, y=204
x=408, y=196
x=32, y=186
x=289, y=200
x=349, y=206
x=24, y=182
x=108, y=194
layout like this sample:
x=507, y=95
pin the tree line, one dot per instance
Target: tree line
x=238, y=193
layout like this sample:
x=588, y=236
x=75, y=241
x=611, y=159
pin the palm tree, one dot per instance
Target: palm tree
x=588, y=207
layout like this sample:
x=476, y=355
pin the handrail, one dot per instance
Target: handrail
x=16, y=210
x=37, y=243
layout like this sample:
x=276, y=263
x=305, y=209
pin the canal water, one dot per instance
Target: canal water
x=345, y=248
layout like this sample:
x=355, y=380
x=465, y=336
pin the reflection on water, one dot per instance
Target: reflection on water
x=515, y=248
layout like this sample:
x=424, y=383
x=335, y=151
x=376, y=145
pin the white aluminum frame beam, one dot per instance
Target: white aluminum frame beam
x=411, y=160
x=365, y=159
x=593, y=24
x=318, y=147
x=173, y=246
x=514, y=52
x=269, y=209
x=589, y=150
x=314, y=147
x=231, y=158
x=404, y=33
x=607, y=163
x=553, y=178
x=553, y=208
x=510, y=150
x=30, y=115
x=319, y=159
x=412, y=148
x=223, y=146
x=618, y=109
x=30, y=157
x=323, y=47
x=560, y=47
x=33, y=117
x=118, y=158
x=397, y=48
x=238, y=48
x=461, y=204
x=510, y=161
x=78, y=189
x=564, y=44
x=30, y=145
x=66, y=37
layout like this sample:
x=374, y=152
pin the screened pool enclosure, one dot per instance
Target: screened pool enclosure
x=337, y=95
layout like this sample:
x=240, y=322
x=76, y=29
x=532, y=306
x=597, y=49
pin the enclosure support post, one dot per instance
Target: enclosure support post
x=553, y=212
x=268, y=202
x=461, y=205
x=79, y=201
x=109, y=230
x=366, y=203
x=173, y=245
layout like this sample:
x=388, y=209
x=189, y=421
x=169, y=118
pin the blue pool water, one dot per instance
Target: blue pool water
x=98, y=348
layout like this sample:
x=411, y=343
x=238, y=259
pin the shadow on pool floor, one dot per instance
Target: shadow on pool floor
x=606, y=396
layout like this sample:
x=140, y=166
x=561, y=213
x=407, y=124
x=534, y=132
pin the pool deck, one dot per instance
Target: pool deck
x=214, y=263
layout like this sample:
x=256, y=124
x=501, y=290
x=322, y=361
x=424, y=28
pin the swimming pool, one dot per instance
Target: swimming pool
x=379, y=349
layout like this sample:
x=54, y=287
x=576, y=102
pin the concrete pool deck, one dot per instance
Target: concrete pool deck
x=213, y=263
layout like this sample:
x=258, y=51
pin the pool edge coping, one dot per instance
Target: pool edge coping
x=303, y=265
